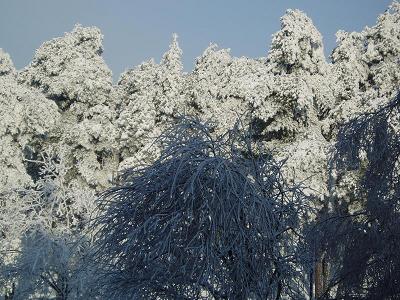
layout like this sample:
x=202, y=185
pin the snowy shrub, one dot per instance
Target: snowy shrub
x=44, y=241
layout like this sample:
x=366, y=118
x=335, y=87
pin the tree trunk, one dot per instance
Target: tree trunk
x=318, y=279
x=320, y=276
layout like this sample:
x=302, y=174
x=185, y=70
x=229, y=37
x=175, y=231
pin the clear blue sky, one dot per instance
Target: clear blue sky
x=135, y=31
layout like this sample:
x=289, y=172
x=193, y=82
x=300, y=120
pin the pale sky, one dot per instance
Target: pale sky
x=135, y=31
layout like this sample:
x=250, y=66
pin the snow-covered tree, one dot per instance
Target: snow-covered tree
x=151, y=96
x=361, y=234
x=71, y=72
x=297, y=46
x=365, y=68
x=44, y=242
x=210, y=218
x=27, y=119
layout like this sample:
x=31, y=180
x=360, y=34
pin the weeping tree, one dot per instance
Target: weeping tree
x=362, y=244
x=211, y=218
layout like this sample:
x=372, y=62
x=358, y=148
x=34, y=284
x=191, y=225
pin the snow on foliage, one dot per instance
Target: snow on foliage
x=297, y=47
x=294, y=99
x=45, y=246
x=71, y=73
x=6, y=64
x=366, y=67
x=211, y=216
x=26, y=118
x=151, y=96
x=286, y=95
x=70, y=69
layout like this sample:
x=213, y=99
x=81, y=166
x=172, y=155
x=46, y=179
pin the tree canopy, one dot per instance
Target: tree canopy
x=212, y=217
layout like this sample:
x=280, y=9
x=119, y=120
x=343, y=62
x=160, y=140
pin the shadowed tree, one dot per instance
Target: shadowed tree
x=362, y=240
x=211, y=218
